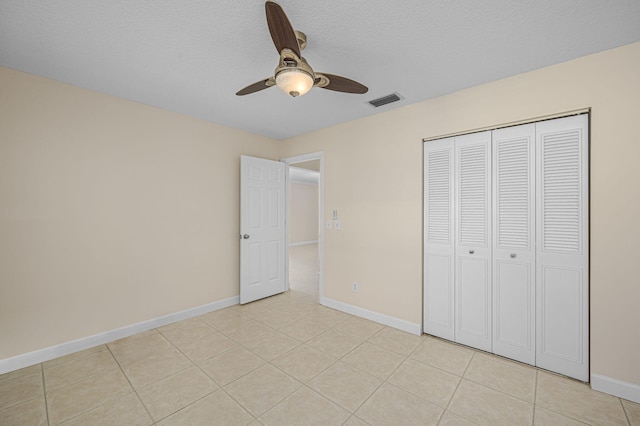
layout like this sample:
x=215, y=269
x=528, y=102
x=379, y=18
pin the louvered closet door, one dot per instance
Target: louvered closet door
x=513, y=243
x=438, y=238
x=473, y=240
x=562, y=276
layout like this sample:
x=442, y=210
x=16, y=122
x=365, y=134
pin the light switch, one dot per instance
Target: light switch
x=328, y=224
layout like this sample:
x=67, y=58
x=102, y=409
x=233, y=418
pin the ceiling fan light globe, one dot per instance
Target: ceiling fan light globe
x=294, y=82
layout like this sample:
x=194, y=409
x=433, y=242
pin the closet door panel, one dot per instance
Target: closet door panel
x=513, y=311
x=473, y=302
x=562, y=278
x=438, y=238
x=561, y=314
x=473, y=240
x=513, y=243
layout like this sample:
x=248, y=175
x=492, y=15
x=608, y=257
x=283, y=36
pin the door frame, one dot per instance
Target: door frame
x=292, y=161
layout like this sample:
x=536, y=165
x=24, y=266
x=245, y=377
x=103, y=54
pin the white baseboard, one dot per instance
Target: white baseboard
x=387, y=320
x=303, y=243
x=616, y=387
x=25, y=360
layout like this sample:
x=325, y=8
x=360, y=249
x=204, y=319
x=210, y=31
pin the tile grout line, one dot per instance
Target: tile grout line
x=242, y=375
x=377, y=332
x=90, y=375
x=563, y=415
x=357, y=367
x=194, y=364
x=458, y=386
x=381, y=383
x=75, y=383
x=287, y=396
x=341, y=360
x=331, y=401
x=352, y=416
x=502, y=360
x=624, y=411
x=484, y=385
x=186, y=406
x=303, y=384
x=444, y=409
x=535, y=398
x=266, y=362
x=169, y=375
x=571, y=417
x=222, y=387
x=44, y=392
x=366, y=340
x=238, y=402
x=439, y=368
x=334, y=360
x=135, y=391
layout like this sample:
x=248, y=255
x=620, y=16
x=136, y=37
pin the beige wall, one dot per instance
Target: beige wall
x=303, y=214
x=111, y=212
x=373, y=176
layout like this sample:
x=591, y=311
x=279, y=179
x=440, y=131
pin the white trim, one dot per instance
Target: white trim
x=616, y=387
x=512, y=123
x=303, y=243
x=300, y=159
x=387, y=320
x=303, y=158
x=46, y=354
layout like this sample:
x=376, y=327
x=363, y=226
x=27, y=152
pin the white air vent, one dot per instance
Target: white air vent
x=394, y=97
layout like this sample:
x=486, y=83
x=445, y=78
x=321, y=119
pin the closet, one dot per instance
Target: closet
x=506, y=243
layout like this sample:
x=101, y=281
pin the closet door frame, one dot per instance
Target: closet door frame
x=549, y=350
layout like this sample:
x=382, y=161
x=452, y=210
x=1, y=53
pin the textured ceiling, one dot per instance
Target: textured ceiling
x=191, y=56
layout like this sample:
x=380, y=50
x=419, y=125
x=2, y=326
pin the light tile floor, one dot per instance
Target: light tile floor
x=286, y=360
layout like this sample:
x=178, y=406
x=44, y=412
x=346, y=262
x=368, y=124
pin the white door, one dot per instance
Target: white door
x=513, y=243
x=438, y=239
x=262, y=228
x=562, y=243
x=473, y=240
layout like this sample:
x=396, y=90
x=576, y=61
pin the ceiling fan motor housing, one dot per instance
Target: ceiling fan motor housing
x=293, y=74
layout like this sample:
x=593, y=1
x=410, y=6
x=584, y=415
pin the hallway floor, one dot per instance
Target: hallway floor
x=287, y=360
x=304, y=269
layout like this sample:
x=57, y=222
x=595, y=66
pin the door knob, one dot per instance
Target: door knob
x=471, y=251
x=245, y=236
x=513, y=255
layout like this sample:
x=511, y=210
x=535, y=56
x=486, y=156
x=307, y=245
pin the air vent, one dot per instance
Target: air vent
x=394, y=97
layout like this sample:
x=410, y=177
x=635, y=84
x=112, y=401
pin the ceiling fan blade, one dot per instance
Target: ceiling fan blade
x=256, y=87
x=342, y=84
x=282, y=33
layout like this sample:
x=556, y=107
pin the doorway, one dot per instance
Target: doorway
x=305, y=235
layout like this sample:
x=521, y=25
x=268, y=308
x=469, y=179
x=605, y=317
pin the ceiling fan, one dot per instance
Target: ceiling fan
x=293, y=74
